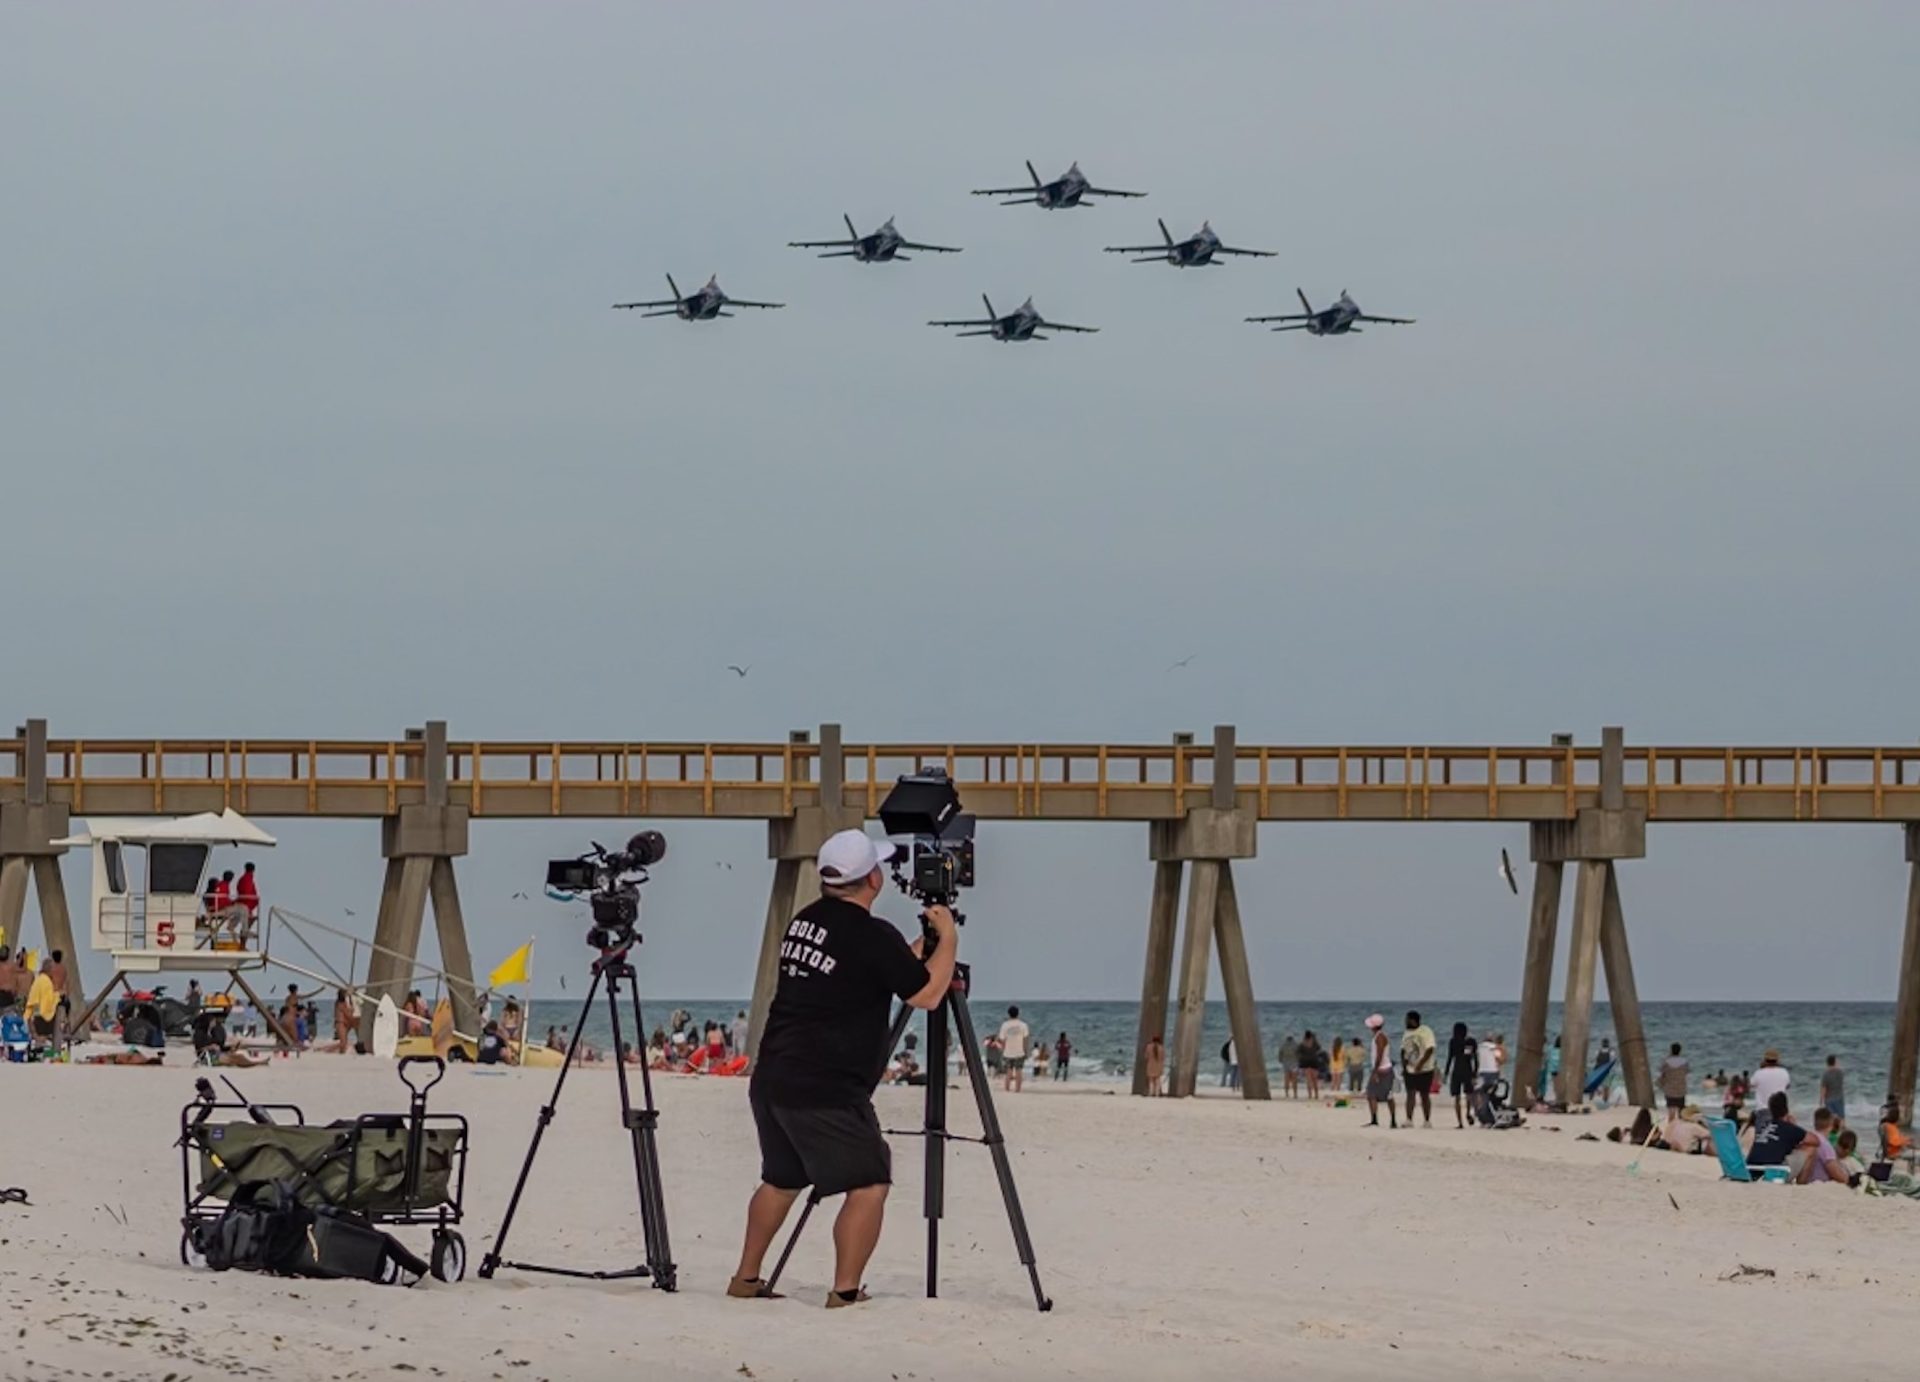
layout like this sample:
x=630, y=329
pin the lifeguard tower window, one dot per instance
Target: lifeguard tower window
x=175, y=868
x=116, y=866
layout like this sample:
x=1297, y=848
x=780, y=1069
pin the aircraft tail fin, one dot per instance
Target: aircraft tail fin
x=1165, y=234
x=990, y=312
x=675, y=286
x=1033, y=173
x=852, y=234
x=1305, y=306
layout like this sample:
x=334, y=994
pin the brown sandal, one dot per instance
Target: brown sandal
x=754, y=1289
x=835, y=1300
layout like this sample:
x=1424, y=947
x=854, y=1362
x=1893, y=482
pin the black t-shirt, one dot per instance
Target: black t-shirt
x=1463, y=1057
x=826, y=1036
x=1774, y=1143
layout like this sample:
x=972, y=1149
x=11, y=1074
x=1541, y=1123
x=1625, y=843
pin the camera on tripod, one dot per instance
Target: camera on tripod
x=926, y=806
x=611, y=880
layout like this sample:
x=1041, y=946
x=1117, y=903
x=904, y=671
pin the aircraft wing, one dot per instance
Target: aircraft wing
x=931, y=249
x=1062, y=326
x=1256, y=254
x=1284, y=317
x=668, y=302
x=988, y=321
x=1391, y=321
x=820, y=244
x=1111, y=192
x=1003, y=191
x=1140, y=249
x=742, y=302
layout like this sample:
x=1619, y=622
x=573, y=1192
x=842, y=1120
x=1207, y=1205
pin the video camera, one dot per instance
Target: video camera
x=926, y=806
x=611, y=880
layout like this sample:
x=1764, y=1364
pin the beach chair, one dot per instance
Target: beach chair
x=1733, y=1161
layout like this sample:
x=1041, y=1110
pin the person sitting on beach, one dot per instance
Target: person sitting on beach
x=1894, y=1144
x=1847, y=1148
x=1487, y=1062
x=43, y=1004
x=416, y=1018
x=491, y=1048
x=1823, y=1166
x=9, y=995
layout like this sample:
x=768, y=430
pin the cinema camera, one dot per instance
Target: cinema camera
x=611, y=880
x=925, y=806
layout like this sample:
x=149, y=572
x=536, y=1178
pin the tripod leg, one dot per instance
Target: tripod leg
x=640, y=1124
x=491, y=1262
x=793, y=1239
x=956, y=1003
x=936, y=1128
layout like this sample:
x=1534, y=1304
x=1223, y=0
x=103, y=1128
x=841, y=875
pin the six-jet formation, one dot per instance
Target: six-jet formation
x=886, y=245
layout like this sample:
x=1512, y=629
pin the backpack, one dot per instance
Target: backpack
x=266, y=1228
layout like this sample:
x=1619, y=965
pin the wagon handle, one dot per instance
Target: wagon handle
x=439, y=1073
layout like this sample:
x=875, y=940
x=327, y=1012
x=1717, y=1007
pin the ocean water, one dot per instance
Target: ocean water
x=1715, y=1036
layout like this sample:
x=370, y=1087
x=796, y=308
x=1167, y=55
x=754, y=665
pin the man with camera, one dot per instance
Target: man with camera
x=823, y=1052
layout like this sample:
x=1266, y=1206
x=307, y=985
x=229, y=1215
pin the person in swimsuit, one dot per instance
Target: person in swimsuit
x=1380, y=1081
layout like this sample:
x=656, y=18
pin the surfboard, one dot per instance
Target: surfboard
x=386, y=1027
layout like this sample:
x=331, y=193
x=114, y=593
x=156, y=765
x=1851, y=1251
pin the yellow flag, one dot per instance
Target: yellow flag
x=517, y=968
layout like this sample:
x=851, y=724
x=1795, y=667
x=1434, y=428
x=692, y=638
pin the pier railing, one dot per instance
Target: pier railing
x=1000, y=781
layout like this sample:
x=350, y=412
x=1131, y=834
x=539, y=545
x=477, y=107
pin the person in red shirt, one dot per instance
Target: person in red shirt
x=223, y=892
x=247, y=892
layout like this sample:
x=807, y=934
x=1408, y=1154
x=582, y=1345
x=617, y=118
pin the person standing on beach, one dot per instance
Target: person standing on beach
x=823, y=1049
x=1014, y=1036
x=740, y=1033
x=1357, y=1057
x=345, y=1021
x=1156, y=1067
x=1309, y=1054
x=1673, y=1081
x=1417, y=1052
x=1062, y=1057
x=1229, y=1066
x=1833, y=1088
x=1463, y=1070
x=1380, y=1076
x=1289, y=1054
x=1770, y=1079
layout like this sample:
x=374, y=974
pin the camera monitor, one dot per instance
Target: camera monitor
x=925, y=804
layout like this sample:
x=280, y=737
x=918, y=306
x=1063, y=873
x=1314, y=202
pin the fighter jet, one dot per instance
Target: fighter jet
x=700, y=306
x=1337, y=320
x=1065, y=190
x=881, y=247
x=1195, y=252
x=1021, y=324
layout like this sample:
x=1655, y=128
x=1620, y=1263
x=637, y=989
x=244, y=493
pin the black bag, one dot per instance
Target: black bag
x=266, y=1228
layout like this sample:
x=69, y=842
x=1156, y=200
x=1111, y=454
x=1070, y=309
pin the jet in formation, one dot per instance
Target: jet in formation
x=1022, y=324
x=1065, y=190
x=1194, y=252
x=702, y=305
x=1342, y=318
x=881, y=247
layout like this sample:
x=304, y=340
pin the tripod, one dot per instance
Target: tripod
x=615, y=969
x=951, y=1009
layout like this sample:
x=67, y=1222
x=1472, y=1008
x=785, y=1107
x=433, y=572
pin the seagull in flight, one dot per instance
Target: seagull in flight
x=1182, y=662
x=1506, y=872
x=738, y=670
x=519, y=897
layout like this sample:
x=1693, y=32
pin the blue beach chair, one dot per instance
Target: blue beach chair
x=1733, y=1161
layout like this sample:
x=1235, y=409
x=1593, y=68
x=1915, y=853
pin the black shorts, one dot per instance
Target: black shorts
x=1458, y=1085
x=832, y=1149
x=1676, y=1102
x=1421, y=1083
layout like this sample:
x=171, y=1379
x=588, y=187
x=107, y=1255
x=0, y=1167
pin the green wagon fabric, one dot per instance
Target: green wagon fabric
x=363, y=1169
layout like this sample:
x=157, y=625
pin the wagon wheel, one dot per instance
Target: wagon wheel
x=449, y=1256
x=190, y=1254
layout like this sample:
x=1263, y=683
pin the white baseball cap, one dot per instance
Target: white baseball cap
x=850, y=856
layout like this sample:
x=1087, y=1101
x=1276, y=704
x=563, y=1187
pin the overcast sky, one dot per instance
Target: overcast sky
x=315, y=422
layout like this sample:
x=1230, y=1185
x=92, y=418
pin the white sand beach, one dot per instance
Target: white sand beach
x=1200, y=1238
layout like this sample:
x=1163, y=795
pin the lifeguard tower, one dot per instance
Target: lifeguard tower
x=148, y=879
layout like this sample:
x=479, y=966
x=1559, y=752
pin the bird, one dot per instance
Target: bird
x=518, y=897
x=351, y=912
x=738, y=670
x=1182, y=662
x=1506, y=872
